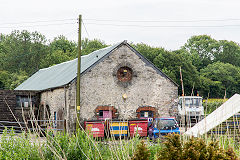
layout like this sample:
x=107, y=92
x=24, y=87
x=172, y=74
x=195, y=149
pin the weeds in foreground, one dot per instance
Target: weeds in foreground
x=16, y=147
x=76, y=146
x=82, y=146
x=142, y=152
x=194, y=149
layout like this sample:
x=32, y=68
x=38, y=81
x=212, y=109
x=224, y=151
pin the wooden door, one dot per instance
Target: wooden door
x=107, y=114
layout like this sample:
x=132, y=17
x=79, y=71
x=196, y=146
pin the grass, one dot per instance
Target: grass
x=82, y=146
x=18, y=147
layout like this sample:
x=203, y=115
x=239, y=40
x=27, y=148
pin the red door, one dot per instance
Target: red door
x=107, y=114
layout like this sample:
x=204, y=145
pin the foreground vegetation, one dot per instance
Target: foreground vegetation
x=82, y=146
x=211, y=105
x=210, y=67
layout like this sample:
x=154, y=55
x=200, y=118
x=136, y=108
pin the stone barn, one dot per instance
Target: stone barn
x=117, y=82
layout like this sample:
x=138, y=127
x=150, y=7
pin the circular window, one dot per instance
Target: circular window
x=124, y=74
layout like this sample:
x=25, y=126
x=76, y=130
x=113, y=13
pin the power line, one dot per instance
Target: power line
x=123, y=25
x=201, y=20
x=25, y=22
x=129, y=25
x=85, y=29
x=112, y=20
x=166, y=26
x=39, y=25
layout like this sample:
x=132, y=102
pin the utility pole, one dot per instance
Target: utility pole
x=78, y=74
x=183, y=101
x=181, y=81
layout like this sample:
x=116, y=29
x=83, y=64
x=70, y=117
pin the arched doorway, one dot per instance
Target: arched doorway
x=106, y=112
x=146, y=112
x=44, y=114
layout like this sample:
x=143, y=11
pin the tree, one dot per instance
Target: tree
x=61, y=50
x=16, y=79
x=170, y=62
x=56, y=57
x=61, y=43
x=147, y=51
x=89, y=46
x=220, y=77
x=202, y=48
x=11, y=80
x=228, y=52
x=4, y=77
x=22, y=51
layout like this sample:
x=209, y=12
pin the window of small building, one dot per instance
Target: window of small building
x=124, y=74
x=101, y=113
x=25, y=101
x=106, y=112
x=146, y=114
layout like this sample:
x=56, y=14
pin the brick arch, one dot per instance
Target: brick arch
x=124, y=74
x=107, y=108
x=129, y=80
x=147, y=108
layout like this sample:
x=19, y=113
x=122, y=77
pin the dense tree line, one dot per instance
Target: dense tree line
x=23, y=53
x=209, y=67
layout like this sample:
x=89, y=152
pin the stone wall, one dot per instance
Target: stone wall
x=63, y=102
x=55, y=101
x=101, y=87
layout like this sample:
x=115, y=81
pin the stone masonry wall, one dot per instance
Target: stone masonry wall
x=61, y=100
x=100, y=86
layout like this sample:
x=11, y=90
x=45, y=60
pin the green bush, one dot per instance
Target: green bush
x=142, y=152
x=194, y=149
x=18, y=147
x=172, y=150
x=154, y=148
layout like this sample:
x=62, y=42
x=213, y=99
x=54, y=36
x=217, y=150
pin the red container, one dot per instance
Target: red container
x=96, y=128
x=138, y=126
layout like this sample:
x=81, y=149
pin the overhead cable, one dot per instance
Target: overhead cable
x=166, y=26
x=38, y=25
x=58, y=20
x=150, y=21
x=85, y=29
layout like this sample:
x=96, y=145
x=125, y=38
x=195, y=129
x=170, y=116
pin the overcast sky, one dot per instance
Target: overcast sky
x=163, y=23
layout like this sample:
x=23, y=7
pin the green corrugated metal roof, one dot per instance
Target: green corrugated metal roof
x=63, y=73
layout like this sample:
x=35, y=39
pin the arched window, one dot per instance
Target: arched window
x=47, y=112
x=106, y=112
x=145, y=112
